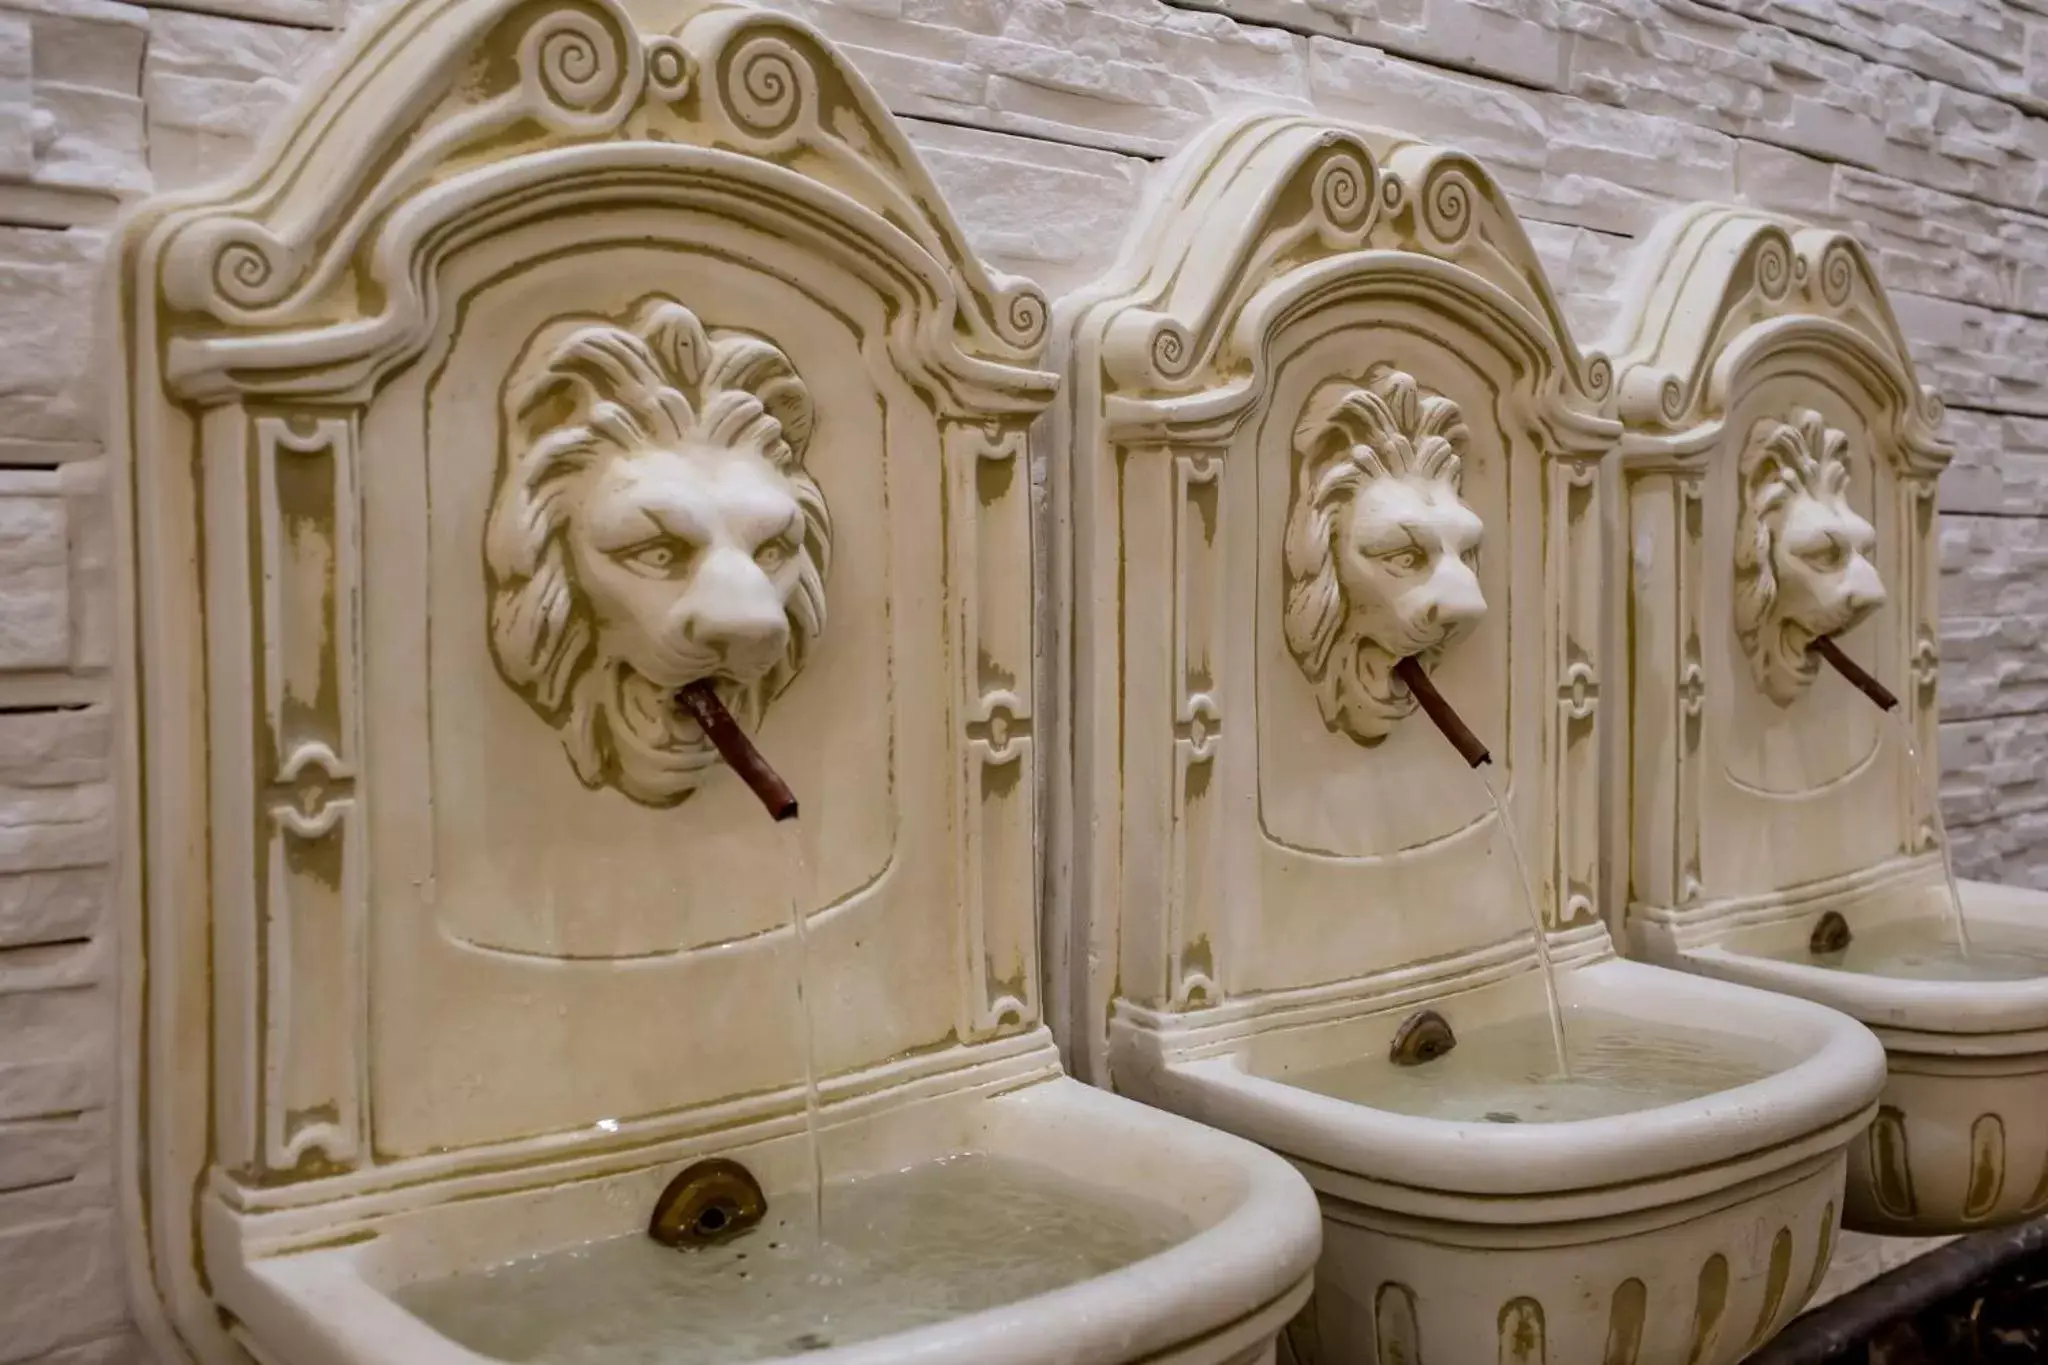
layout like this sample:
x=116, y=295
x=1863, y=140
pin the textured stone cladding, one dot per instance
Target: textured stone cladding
x=1920, y=125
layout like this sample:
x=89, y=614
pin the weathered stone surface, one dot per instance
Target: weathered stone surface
x=71, y=115
x=63, y=1274
x=1988, y=48
x=49, y=390
x=1712, y=67
x=2011, y=848
x=35, y=610
x=56, y=747
x=45, y=1151
x=50, y=907
x=2000, y=466
x=1995, y=786
x=1976, y=357
x=1993, y=566
x=1582, y=266
x=43, y=829
x=1052, y=212
x=214, y=85
x=1994, y=603
x=1523, y=43
x=1126, y=75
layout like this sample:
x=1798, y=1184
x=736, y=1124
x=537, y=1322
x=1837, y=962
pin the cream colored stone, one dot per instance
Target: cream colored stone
x=1761, y=802
x=553, y=359
x=1325, y=414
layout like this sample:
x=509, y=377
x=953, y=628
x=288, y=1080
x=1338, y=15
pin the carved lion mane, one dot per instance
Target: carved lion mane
x=1379, y=545
x=652, y=525
x=1801, y=551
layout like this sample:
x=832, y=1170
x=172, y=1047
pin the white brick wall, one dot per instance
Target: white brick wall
x=1920, y=124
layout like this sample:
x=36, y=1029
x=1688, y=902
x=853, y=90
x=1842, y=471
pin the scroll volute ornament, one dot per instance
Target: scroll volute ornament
x=652, y=526
x=1381, y=549
x=1802, y=553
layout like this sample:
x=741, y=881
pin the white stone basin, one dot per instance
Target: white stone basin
x=1226, y=1233
x=1962, y=1136
x=1797, y=1072
x=1901, y=971
x=1692, y=1217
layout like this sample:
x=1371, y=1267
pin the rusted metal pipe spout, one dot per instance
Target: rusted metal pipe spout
x=1433, y=704
x=736, y=749
x=1831, y=654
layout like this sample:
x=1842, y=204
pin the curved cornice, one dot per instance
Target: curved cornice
x=1258, y=208
x=429, y=97
x=1714, y=289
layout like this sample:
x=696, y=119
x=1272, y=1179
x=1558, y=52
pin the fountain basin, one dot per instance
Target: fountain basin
x=1203, y=1246
x=1961, y=1136
x=1680, y=1225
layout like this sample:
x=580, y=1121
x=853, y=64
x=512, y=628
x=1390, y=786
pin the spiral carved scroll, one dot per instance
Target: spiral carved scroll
x=1446, y=202
x=1773, y=266
x=580, y=68
x=1147, y=350
x=251, y=267
x=1599, y=377
x=1837, y=272
x=1671, y=397
x=768, y=85
x=1343, y=191
x=1020, y=313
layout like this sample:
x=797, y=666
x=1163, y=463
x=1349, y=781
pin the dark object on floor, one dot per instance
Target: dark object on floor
x=1982, y=1300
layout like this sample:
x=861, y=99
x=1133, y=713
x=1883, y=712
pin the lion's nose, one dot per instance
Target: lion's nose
x=736, y=613
x=1862, y=589
x=1455, y=602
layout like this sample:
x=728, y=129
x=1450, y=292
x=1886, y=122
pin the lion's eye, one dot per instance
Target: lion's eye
x=658, y=556
x=1827, y=557
x=1404, y=561
x=1471, y=557
x=772, y=556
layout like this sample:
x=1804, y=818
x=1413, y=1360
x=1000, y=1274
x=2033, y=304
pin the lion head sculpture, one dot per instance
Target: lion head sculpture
x=652, y=526
x=1802, y=554
x=1381, y=550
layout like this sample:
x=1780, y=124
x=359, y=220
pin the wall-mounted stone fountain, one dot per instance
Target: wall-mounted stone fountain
x=1324, y=416
x=1777, y=510
x=550, y=360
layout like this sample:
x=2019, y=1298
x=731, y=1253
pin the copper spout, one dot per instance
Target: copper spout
x=1455, y=730
x=1831, y=653
x=736, y=749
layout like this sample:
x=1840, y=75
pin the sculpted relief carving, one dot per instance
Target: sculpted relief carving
x=1381, y=549
x=1802, y=553
x=652, y=525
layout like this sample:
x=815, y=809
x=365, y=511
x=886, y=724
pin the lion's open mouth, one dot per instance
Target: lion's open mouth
x=658, y=722
x=1429, y=656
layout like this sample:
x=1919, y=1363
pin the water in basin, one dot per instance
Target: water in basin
x=1922, y=950
x=1507, y=1072
x=906, y=1250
